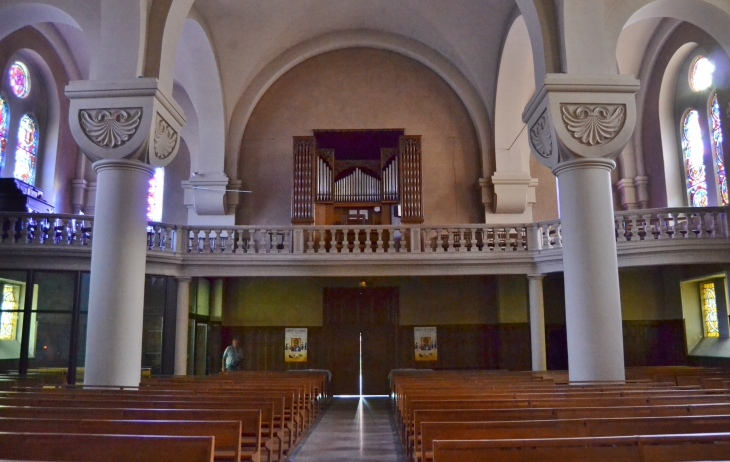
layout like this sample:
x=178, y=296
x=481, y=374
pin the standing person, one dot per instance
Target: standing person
x=232, y=357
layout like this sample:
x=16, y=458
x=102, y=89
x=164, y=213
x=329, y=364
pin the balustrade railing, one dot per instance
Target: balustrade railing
x=631, y=228
x=45, y=229
x=671, y=223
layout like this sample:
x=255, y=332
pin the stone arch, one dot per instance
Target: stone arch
x=164, y=29
x=360, y=39
x=196, y=70
x=712, y=16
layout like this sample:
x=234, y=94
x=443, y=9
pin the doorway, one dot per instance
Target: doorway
x=360, y=327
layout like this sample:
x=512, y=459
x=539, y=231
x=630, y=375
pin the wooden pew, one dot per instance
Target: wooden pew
x=663, y=448
x=226, y=434
x=110, y=448
x=568, y=428
x=250, y=419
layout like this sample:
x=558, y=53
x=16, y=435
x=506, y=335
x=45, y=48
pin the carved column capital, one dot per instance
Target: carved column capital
x=127, y=119
x=581, y=117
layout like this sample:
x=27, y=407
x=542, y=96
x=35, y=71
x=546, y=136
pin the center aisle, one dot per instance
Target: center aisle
x=352, y=429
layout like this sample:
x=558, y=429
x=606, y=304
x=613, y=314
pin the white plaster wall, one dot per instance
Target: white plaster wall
x=361, y=89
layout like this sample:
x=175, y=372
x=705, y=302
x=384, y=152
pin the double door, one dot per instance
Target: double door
x=360, y=326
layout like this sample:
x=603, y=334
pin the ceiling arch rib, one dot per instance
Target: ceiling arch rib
x=360, y=39
x=712, y=16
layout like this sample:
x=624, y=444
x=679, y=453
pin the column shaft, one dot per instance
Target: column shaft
x=181, y=327
x=592, y=297
x=118, y=259
x=537, y=322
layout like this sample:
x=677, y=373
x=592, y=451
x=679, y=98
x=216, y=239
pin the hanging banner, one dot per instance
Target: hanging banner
x=295, y=345
x=425, y=343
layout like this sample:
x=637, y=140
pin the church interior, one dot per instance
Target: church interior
x=289, y=228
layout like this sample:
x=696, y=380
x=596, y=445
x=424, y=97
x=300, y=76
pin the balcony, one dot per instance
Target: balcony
x=644, y=237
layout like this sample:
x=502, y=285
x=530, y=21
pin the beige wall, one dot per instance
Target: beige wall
x=293, y=302
x=546, y=193
x=513, y=302
x=361, y=89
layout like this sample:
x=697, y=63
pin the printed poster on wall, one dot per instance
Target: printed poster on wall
x=425, y=343
x=295, y=345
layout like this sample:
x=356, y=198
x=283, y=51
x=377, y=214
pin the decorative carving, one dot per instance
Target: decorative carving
x=371, y=165
x=387, y=155
x=328, y=155
x=593, y=124
x=541, y=136
x=110, y=128
x=165, y=138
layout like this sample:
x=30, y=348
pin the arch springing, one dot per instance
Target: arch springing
x=26, y=153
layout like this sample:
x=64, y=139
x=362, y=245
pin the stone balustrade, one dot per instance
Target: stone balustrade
x=633, y=228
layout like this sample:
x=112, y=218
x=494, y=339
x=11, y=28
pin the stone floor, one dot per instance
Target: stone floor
x=352, y=429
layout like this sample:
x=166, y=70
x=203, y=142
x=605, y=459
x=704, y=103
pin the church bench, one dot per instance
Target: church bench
x=567, y=428
x=110, y=448
x=226, y=434
x=604, y=406
x=271, y=408
x=662, y=448
x=408, y=426
x=250, y=419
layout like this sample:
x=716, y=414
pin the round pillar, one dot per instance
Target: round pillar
x=181, y=326
x=537, y=322
x=590, y=265
x=118, y=259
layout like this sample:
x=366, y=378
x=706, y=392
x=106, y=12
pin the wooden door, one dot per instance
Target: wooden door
x=355, y=319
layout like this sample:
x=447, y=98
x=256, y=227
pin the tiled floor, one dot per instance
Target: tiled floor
x=352, y=429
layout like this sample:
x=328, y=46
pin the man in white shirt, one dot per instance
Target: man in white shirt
x=233, y=357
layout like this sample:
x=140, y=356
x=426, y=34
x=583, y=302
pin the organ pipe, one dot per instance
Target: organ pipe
x=358, y=186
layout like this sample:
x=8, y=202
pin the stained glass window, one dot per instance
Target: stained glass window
x=19, y=79
x=694, y=153
x=154, y=195
x=27, y=151
x=9, y=319
x=4, y=121
x=700, y=74
x=716, y=125
x=709, y=309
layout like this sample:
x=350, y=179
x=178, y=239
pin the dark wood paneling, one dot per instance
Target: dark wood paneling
x=654, y=343
x=263, y=348
x=646, y=343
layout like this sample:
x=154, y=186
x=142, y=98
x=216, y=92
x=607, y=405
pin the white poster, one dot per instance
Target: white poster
x=425, y=343
x=295, y=345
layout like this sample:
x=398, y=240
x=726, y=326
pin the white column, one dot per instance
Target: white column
x=116, y=295
x=537, y=322
x=592, y=297
x=181, y=326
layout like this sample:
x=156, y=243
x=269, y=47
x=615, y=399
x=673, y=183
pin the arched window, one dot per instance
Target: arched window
x=699, y=107
x=716, y=136
x=154, y=195
x=4, y=122
x=694, y=149
x=26, y=152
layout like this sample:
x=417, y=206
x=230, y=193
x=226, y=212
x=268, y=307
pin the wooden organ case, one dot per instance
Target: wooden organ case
x=330, y=188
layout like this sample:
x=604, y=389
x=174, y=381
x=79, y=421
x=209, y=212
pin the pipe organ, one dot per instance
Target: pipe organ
x=324, y=183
